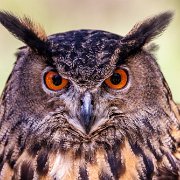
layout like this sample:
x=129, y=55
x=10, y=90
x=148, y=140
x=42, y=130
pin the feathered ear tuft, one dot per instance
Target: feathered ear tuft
x=142, y=33
x=25, y=30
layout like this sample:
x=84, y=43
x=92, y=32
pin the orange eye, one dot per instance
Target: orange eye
x=54, y=81
x=118, y=80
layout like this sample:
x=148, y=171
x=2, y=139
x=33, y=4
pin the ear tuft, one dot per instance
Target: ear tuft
x=143, y=32
x=36, y=28
x=25, y=30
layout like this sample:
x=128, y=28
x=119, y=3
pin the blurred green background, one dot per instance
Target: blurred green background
x=117, y=16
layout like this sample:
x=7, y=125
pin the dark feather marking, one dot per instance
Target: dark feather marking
x=173, y=146
x=1, y=158
x=34, y=148
x=14, y=177
x=20, y=29
x=12, y=162
x=166, y=174
x=90, y=156
x=1, y=161
x=42, y=166
x=27, y=171
x=83, y=175
x=9, y=160
x=149, y=167
x=21, y=141
x=114, y=160
x=78, y=152
x=10, y=113
x=173, y=163
x=179, y=108
x=104, y=176
x=153, y=150
x=12, y=128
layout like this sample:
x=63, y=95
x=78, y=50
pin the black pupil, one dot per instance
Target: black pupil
x=115, y=78
x=57, y=80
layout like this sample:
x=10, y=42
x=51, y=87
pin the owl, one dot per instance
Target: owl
x=88, y=105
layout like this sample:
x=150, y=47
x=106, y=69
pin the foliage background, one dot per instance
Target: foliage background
x=116, y=16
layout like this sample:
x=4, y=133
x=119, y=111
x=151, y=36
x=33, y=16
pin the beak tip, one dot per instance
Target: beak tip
x=86, y=121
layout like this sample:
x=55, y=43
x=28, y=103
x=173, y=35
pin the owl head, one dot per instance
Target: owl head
x=85, y=89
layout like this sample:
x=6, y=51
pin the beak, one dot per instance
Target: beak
x=86, y=112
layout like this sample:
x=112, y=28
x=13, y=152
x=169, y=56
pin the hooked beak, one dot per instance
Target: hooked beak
x=86, y=112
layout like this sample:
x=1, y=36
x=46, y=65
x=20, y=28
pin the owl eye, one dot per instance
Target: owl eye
x=54, y=81
x=118, y=80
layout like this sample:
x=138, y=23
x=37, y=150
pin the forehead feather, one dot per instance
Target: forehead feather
x=85, y=55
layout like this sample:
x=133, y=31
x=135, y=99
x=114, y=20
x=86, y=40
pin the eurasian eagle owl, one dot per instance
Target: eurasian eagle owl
x=88, y=104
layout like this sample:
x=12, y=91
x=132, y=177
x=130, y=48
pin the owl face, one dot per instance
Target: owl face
x=85, y=88
x=79, y=97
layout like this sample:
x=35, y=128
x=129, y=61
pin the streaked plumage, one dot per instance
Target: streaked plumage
x=87, y=130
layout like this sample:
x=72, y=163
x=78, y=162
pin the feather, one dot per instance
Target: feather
x=25, y=30
x=145, y=31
